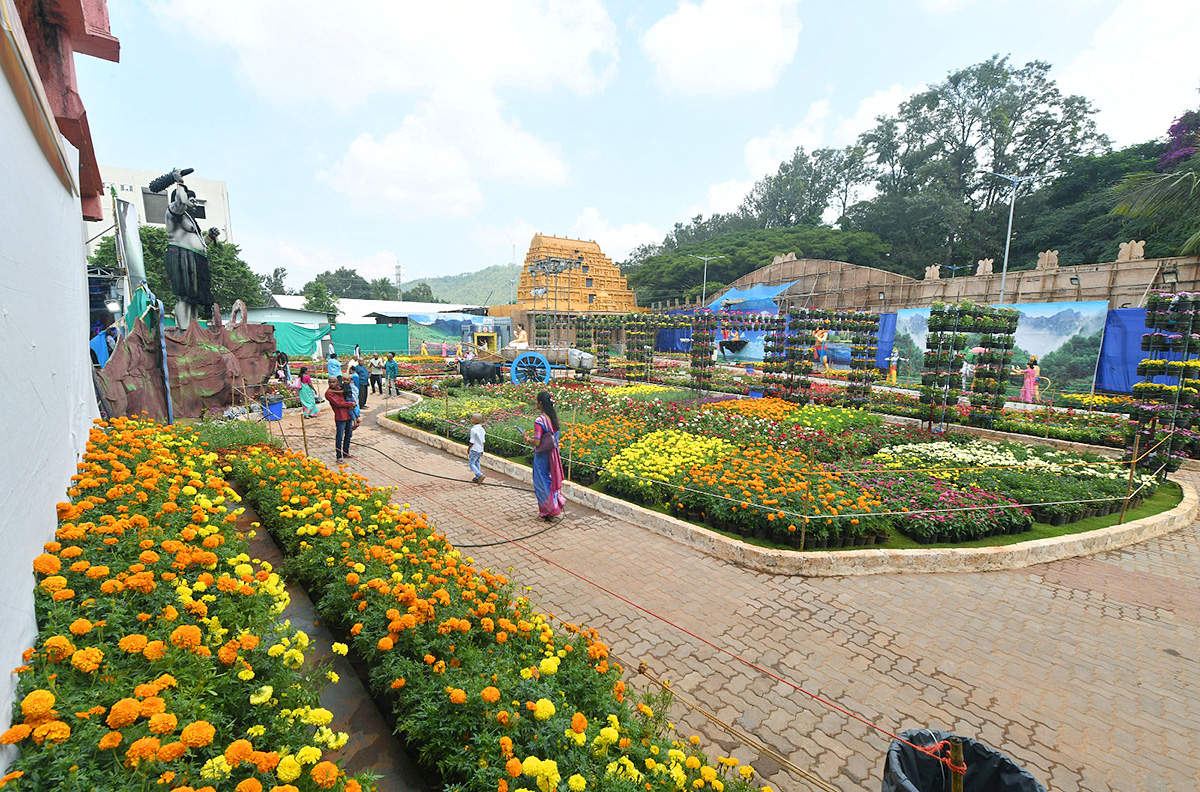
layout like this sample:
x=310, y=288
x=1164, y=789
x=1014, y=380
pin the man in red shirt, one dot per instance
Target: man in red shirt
x=343, y=416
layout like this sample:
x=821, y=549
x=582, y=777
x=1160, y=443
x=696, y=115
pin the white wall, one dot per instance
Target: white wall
x=44, y=421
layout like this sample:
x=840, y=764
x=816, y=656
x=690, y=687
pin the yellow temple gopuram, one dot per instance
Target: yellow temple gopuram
x=594, y=285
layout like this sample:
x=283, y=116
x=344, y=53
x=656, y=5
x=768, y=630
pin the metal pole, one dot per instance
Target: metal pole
x=704, y=284
x=1137, y=435
x=1012, y=202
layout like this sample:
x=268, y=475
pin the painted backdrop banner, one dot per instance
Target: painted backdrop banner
x=1065, y=336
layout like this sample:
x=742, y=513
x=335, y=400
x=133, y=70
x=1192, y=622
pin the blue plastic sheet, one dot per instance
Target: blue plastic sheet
x=886, y=339
x=1121, y=350
x=753, y=300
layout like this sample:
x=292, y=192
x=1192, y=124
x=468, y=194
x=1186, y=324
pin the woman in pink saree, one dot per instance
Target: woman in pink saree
x=1029, y=388
x=547, y=465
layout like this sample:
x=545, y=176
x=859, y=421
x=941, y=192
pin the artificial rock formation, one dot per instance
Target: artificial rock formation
x=207, y=367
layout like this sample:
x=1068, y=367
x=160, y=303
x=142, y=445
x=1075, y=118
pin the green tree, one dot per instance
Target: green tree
x=796, y=194
x=232, y=278
x=275, y=283
x=343, y=282
x=1166, y=198
x=421, y=292
x=384, y=289
x=318, y=298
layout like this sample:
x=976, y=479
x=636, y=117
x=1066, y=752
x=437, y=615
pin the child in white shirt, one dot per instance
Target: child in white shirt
x=478, y=435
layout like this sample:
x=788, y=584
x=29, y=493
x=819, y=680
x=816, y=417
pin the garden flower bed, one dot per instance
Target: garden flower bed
x=160, y=661
x=485, y=688
x=805, y=477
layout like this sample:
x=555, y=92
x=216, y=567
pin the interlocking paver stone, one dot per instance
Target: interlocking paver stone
x=1085, y=670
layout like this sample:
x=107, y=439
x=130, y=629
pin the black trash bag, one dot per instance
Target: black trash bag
x=988, y=770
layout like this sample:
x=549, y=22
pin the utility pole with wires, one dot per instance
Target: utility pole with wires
x=704, y=285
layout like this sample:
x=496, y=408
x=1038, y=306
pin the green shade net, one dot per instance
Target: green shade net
x=295, y=340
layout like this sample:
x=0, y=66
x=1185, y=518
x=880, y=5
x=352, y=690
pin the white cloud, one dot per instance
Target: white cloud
x=1140, y=68
x=723, y=47
x=431, y=165
x=765, y=152
x=723, y=197
x=940, y=7
x=304, y=264
x=345, y=53
x=615, y=240
x=453, y=58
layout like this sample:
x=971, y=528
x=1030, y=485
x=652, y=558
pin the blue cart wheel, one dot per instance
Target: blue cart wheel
x=529, y=367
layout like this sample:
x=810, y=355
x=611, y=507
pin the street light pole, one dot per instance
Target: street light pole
x=704, y=286
x=1015, y=181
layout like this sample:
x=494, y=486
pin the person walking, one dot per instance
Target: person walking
x=343, y=417
x=391, y=372
x=375, y=365
x=547, y=464
x=363, y=378
x=475, y=453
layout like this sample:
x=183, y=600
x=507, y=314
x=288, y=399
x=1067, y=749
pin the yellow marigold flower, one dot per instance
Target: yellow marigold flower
x=216, y=767
x=87, y=660
x=691, y=763
x=318, y=716
x=289, y=769
x=709, y=774
x=340, y=648
x=544, y=709
x=262, y=695
x=576, y=783
x=37, y=704
x=198, y=734
x=308, y=755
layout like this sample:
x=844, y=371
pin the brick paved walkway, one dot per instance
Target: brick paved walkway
x=1087, y=672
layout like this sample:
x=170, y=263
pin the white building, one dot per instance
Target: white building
x=359, y=311
x=212, y=198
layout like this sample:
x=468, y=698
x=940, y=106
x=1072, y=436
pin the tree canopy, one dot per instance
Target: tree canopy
x=343, y=282
x=232, y=278
x=928, y=171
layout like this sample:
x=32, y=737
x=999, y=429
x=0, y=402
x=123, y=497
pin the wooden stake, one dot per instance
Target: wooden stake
x=956, y=756
x=303, y=430
x=571, y=458
x=1137, y=436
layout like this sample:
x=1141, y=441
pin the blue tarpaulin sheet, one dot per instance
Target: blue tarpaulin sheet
x=886, y=339
x=1122, y=350
x=753, y=300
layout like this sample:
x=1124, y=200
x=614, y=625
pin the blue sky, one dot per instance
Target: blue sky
x=437, y=135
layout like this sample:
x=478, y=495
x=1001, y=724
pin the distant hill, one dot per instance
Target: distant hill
x=490, y=286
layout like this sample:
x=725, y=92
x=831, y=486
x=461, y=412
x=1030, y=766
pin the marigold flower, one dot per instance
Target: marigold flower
x=155, y=650
x=513, y=766
x=152, y=706
x=110, y=740
x=198, y=735
x=385, y=644
x=490, y=694
x=47, y=564
x=37, y=704
x=397, y=683
x=15, y=734
x=163, y=723
x=171, y=751
x=80, y=627
x=325, y=774
x=458, y=696
x=238, y=751
x=289, y=769
x=141, y=750
x=186, y=636
x=579, y=723
x=133, y=644
x=58, y=648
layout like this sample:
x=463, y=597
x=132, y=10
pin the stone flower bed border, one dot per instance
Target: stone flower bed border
x=837, y=563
